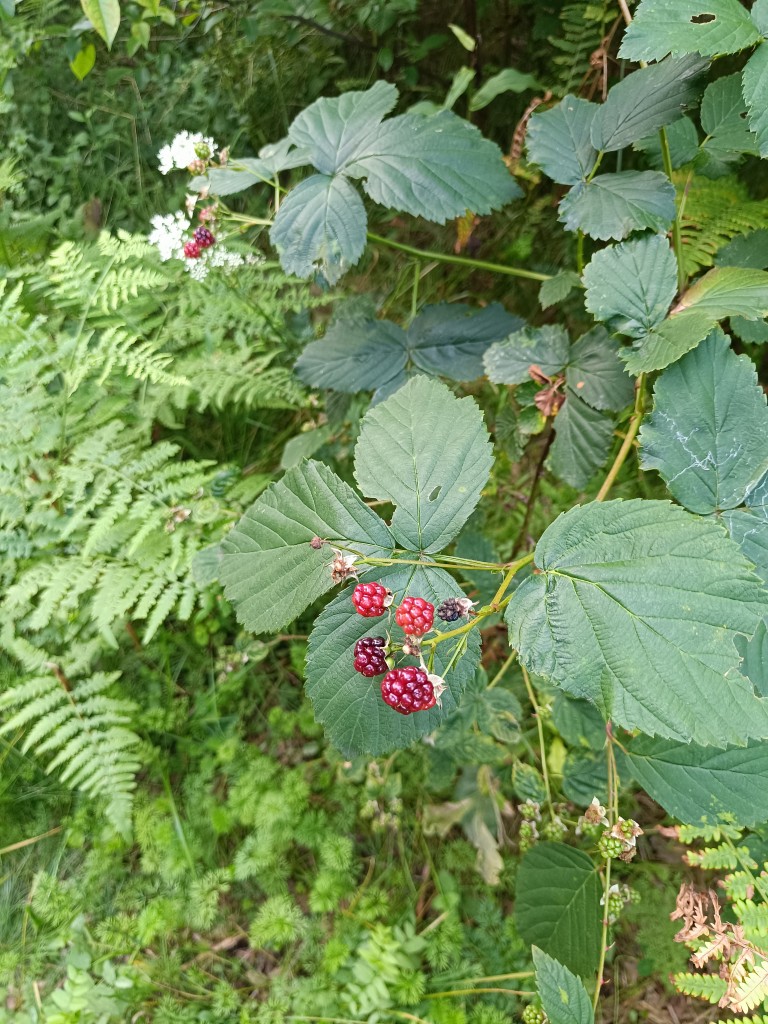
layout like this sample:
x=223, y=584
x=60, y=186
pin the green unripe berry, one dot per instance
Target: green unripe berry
x=609, y=846
x=534, y=1015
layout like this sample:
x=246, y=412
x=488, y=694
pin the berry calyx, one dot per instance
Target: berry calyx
x=415, y=616
x=371, y=599
x=203, y=237
x=454, y=608
x=192, y=250
x=407, y=690
x=370, y=657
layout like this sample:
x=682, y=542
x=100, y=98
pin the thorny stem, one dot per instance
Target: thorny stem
x=542, y=744
x=634, y=425
x=462, y=261
x=613, y=809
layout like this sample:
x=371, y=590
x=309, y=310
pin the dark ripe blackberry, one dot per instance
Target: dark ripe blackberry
x=204, y=237
x=449, y=610
x=370, y=657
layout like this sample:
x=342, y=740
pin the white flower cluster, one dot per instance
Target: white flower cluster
x=221, y=257
x=168, y=234
x=181, y=152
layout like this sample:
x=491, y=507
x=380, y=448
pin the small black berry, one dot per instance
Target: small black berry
x=204, y=237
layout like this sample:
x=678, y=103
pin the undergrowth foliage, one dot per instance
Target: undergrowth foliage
x=527, y=545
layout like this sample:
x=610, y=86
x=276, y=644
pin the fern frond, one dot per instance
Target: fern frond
x=701, y=986
x=752, y=990
x=714, y=212
x=753, y=917
x=583, y=30
x=84, y=728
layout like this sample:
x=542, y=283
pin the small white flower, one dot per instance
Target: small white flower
x=181, y=152
x=168, y=234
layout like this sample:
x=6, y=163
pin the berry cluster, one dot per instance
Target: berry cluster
x=410, y=688
x=202, y=238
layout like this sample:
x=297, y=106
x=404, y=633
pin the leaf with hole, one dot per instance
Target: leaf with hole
x=636, y=607
x=348, y=705
x=596, y=373
x=428, y=453
x=707, y=27
x=559, y=140
x=708, y=433
x=615, y=205
x=269, y=570
x=558, y=905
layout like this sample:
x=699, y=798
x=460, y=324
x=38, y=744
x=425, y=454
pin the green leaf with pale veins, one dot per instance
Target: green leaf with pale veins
x=583, y=439
x=104, y=15
x=508, y=361
x=723, y=118
x=708, y=27
x=269, y=570
x=596, y=373
x=631, y=286
x=754, y=653
x=755, y=88
x=435, y=167
x=645, y=101
x=559, y=140
x=320, y=226
x=701, y=785
x=562, y=993
x=708, y=434
x=635, y=607
x=749, y=529
x=429, y=453
x=558, y=905
x=615, y=205
x=350, y=707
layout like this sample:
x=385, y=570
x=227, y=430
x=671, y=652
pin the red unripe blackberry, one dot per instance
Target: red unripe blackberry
x=407, y=690
x=415, y=616
x=370, y=660
x=203, y=237
x=192, y=250
x=371, y=599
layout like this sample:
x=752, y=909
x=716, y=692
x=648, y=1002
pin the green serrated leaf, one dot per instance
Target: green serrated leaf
x=559, y=140
x=578, y=722
x=728, y=291
x=699, y=785
x=683, y=142
x=759, y=14
x=237, y=176
x=749, y=250
x=558, y=905
x=749, y=529
x=104, y=15
x=754, y=652
x=583, y=439
x=755, y=89
x=645, y=101
x=508, y=361
x=631, y=286
x=349, y=706
x=595, y=372
x=320, y=226
x=562, y=993
x=708, y=433
x=269, y=570
x=434, y=167
x=752, y=332
x=558, y=288
x=708, y=27
x=723, y=118
x=507, y=80
x=635, y=607
x=429, y=453
x=354, y=356
x=669, y=341
x=585, y=776
x=615, y=205
x=450, y=339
